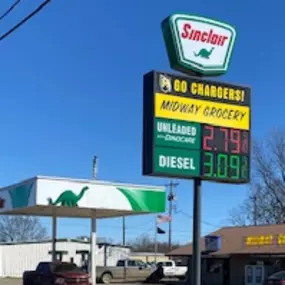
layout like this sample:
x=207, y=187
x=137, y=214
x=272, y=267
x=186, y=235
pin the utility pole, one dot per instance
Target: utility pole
x=170, y=198
x=94, y=167
x=254, y=209
x=93, y=234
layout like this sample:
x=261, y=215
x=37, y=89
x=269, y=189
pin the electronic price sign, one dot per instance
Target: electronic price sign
x=196, y=128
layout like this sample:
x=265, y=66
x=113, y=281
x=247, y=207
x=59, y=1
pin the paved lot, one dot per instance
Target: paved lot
x=10, y=281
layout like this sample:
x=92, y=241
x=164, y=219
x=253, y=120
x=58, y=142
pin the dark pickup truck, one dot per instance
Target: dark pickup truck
x=56, y=273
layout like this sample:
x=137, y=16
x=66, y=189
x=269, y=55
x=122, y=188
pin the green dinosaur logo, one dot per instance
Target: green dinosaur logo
x=68, y=198
x=204, y=53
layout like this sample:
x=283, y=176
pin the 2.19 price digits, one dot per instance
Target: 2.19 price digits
x=225, y=166
x=225, y=140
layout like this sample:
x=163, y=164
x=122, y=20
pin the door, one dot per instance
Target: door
x=259, y=274
x=45, y=275
x=226, y=272
x=170, y=269
x=249, y=275
x=120, y=271
x=254, y=274
x=132, y=270
x=143, y=270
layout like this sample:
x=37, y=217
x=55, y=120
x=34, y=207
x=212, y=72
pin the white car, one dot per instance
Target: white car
x=170, y=269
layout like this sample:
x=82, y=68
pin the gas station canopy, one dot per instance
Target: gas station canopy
x=64, y=197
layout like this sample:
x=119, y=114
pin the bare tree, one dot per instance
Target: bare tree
x=21, y=228
x=265, y=203
x=146, y=244
x=242, y=215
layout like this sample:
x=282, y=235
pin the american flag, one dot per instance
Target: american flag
x=162, y=219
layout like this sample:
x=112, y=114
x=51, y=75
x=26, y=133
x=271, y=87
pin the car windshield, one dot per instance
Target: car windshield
x=278, y=275
x=140, y=263
x=66, y=267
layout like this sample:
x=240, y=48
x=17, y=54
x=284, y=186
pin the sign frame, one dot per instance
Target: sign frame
x=148, y=156
x=176, y=54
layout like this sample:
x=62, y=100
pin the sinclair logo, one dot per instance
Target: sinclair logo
x=198, y=45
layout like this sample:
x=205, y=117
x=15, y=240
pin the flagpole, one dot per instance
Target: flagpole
x=155, y=238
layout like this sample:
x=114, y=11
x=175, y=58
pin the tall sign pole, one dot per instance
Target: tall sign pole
x=195, y=128
x=196, y=254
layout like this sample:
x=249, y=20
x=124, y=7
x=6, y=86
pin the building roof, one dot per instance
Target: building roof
x=82, y=241
x=44, y=241
x=146, y=254
x=92, y=181
x=235, y=240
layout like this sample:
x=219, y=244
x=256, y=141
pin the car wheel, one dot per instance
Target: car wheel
x=106, y=278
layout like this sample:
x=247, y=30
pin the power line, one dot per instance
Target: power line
x=24, y=20
x=134, y=230
x=141, y=225
x=191, y=217
x=11, y=8
x=130, y=227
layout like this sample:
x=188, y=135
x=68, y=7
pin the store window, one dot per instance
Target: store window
x=214, y=266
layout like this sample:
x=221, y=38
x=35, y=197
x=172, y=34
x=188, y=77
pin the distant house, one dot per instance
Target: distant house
x=148, y=256
x=245, y=257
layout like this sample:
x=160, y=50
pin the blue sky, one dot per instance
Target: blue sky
x=71, y=87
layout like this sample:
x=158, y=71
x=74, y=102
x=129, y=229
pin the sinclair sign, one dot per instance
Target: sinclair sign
x=199, y=45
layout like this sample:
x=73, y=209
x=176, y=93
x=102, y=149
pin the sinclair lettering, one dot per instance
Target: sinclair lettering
x=198, y=45
x=203, y=36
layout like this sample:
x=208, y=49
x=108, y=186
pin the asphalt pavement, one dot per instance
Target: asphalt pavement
x=12, y=281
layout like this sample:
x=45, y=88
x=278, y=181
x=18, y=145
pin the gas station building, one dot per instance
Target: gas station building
x=239, y=255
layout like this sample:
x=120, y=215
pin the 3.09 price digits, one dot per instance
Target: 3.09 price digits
x=225, y=140
x=225, y=166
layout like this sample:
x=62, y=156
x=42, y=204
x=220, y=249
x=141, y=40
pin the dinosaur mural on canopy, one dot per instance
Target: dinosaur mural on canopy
x=68, y=198
x=204, y=53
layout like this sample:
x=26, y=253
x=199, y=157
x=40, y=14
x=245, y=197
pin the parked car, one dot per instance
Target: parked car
x=131, y=270
x=56, y=273
x=278, y=278
x=170, y=269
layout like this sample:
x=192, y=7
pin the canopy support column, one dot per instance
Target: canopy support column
x=54, y=230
